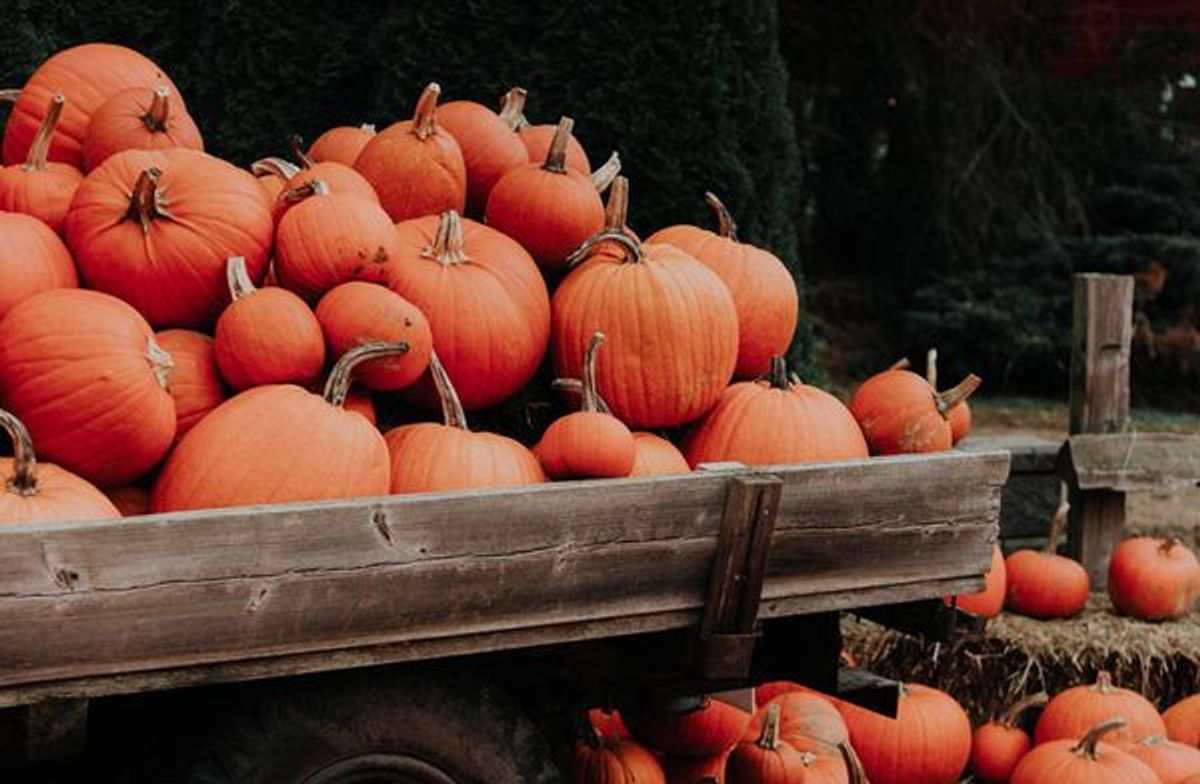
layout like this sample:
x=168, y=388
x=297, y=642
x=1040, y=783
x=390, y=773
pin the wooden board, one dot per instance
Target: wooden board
x=1031, y=494
x=1130, y=462
x=450, y=574
x=1031, y=454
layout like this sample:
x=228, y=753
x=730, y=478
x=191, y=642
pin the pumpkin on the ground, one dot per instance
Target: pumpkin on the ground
x=998, y=746
x=1045, y=584
x=1153, y=579
x=990, y=601
x=1083, y=759
x=807, y=720
x=193, y=381
x=357, y=312
x=38, y=187
x=1183, y=721
x=490, y=148
x=767, y=758
x=900, y=413
x=341, y=144
x=1171, y=761
x=690, y=726
x=1073, y=712
x=612, y=760
x=32, y=260
x=139, y=118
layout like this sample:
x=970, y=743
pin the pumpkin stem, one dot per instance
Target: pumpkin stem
x=1087, y=745
x=858, y=774
x=277, y=166
x=337, y=386
x=616, y=209
x=448, y=245
x=726, y=227
x=1058, y=521
x=574, y=386
x=931, y=368
x=556, y=156
x=769, y=738
x=145, y=204
x=10, y=95
x=794, y=379
x=40, y=148
x=900, y=364
x=368, y=127
x=155, y=118
x=313, y=187
x=161, y=362
x=591, y=398
x=512, y=108
x=296, y=143
x=1103, y=684
x=1167, y=545
x=452, y=410
x=633, y=248
x=777, y=375
x=957, y=394
x=425, y=116
x=1012, y=716
x=604, y=176
x=23, y=481
x=238, y=278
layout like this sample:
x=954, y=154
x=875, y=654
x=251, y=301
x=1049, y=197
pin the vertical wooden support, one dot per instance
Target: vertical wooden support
x=1103, y=333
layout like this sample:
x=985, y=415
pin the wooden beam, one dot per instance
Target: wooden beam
x=1130, y=462
x=1031, y=454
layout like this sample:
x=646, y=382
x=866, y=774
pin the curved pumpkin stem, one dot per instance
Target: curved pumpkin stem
x=337, y=386
x=155, y=118
x=1012, y=716
x=556, y=156
x=957, y=394
x=633, y=248
x=858, y=774
x=574, y=386
x=23, y=481
x=1104, y=684
x=161, y=362
x=368, y=127
x=1058, y=520
x=314, y=187
x=931, y=368
x=425, y=116
x=278, y=167
x=616, y=209
x=40, y=148
x=238, y=278
x=769, y=738
x=777, y=375
x=591, y=398
x=452, y=410
x=1087, y=745
x=296, y=144
x=448, y=246
x=726, y=227
x=145, y=203
x=604, y=176
x=10, y=95
x=1167, y=545
x=512, y=108
x=900, y=364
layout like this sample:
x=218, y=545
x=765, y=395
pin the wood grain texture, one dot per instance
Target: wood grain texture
x=1031, y=454
x=1128, y=462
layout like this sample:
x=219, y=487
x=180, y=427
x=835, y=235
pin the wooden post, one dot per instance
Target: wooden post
x=1103, y=333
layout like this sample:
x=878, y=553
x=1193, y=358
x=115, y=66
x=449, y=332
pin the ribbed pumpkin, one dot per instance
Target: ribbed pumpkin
x=1083, y=761
x=538, y=139
x=999, y=745
x=959, y=416
x=689, y=726
x=338, y=177
x=1073, y=712
x=357, y=312
x=82, y=370
x=485, y=300
x=1172, y=762
x=163, y=248
x=139, y=118
x=130, y=500
x=30, y=492
x=1153, y=579
x=1045, y=584
x=547, y=206
x=769, y=758
x=490, y=148
x=990, y=601
x=416, y=166
x=194, y=382
x=808, y=721
x=774, y=421
x=763, y=290
x=656, y=456
x=341, y=144
x=900, y=413
x=36, y=187
x=277, y=444
x=612, y=760
x=428, y=457
x=32, y=259
x=267, y=335
x=86, y=76
x=1183, y=721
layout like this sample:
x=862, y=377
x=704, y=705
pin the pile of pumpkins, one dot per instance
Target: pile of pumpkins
x=1094, y=733
x=181, y=333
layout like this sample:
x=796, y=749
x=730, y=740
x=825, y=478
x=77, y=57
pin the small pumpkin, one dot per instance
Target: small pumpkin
x=130, y=500
x=656, y=456
x=538, y=139
x=138, y=118
x=990, y=601
x=1083, y=761
x=30, y=492
x=1074, y=711
x=689, y=726
x=194, y=381
x=490, y=148
x=37, y=187
x=770, y=759
x=338, y=177
x=1172, y=762
x=612, y=760
x=416, y=167
x=266, y=336
x=1183, y=721
x=32, y=260
x=959, y=416
x=1046, y=584
x=341, y=144
x=998, y=746
x=250, y=451
x=900, y=413
x=1153, y=579
x=357, y=312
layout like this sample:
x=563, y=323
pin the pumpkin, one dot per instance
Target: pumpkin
x=656, y=456
x=671, y=327
x=251, y=451
x=416, y=167
x=697, y=770
x=607, y=723
x=338, y=177
x=763, y=289
x=588, y=443
x=928, y=741
x=357, y=312
x=773, y=421
x=428, y=457
x=1046, y=584
x=689, y=726
x=770, y=759
x=548, y=207
x=612, y=760
x=809, y=721
x=330, y=238
x=130, y=500
x=538, y=139
x=485, y=300
x=959, y=416
x=341, y=144
x=266, y=336
x=1083, y=761
x=490, y=149
x=272, y=175
x=36, y=187
x=84, y=373
x=86, y=76
x=32, y=260
x=990, y=601
x=360, y=402
x=900, y=413
x=1172, y=762
x=999, y=745
x=30, y=492
x=155, y=228
x=194, y=381
x=1074, y=711
x=138, y=118
x=1183, y=721
x=1153, y=579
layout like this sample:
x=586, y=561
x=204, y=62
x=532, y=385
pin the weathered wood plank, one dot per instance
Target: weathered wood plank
x=1031, y=454
x=1129, y=462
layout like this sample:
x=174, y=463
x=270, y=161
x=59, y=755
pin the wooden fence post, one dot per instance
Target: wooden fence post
x=1103, y=333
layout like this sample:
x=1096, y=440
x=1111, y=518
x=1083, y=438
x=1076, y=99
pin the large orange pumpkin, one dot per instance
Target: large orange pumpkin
x=416, y=167
x=1073, y=712
x=155, y=228
x=428, y=457
x=1153, y=579
x=1083, y=759
x=990, y=601
x=808, y=721
x=341, y=144
x=768, y=758
x=1046, y=584
x=32, y=259
x=774, y=421
x=83, y=372
x=358, y=312
x=692, y=727
x=86, y=75
x=1183, y=721
x=194, y=382
x=139, y=118
x=613, y=760
x=36, y=187
x=30, y=492
x=763, y=290
x=279, y=443
x=489, y=147
x=998, y=746
x=539, y=138
x=900, y=413
x=1171, y=761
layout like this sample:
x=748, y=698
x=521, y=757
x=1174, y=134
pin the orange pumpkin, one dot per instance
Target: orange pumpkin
x=341, y=144
x=774, y=421
x=360, y=402
x=690, y=726
x=998, y=746
x=416, y=167
x=163, y=248
x=1083, y=761
x=548, y=207
x=43, y=190
x=900, y=413
x=612, y=760
x=990, y=601
x=130, y=500
x=338, y=177
x=769, y=758
x=1183, y=721
x=808, y=721
x=1153, y=579
x=490, y=149
x=84, y=373
x=656, y=456
x=138, y=118
x=1074, y=711
x=357, y=312
x=538, y=139
x=335, y=454
x=959, y=416
x=607, y=723
x=194, y=382
x=1046, y=584
x=1172, y=762
x=266, y=336
x=30, y=492
x=32, y=259
x=428, y=457
x=763, y=289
